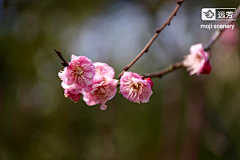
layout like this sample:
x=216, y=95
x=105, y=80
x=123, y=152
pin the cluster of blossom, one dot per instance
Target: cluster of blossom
x=95, y=81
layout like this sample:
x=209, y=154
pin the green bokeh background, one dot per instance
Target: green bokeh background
x=187, y=118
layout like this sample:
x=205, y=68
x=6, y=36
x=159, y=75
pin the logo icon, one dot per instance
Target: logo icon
x=209, y=14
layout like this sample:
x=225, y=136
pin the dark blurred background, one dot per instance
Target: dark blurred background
x=187, y=118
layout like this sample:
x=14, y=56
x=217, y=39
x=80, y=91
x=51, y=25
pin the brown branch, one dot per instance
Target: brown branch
x=218, y=32
x=64, y=62
x=165, y=71
x=145, y=49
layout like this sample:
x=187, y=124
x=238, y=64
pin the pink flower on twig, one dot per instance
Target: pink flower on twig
x=103, y=87
x=197, y=62
x=80, y=71
x=134, y=88
x=77, y=76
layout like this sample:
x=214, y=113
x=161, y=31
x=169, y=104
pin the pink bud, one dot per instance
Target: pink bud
x=149, y=80
x=206, y=68
x=134, y=88
x=72, y=93
x=197, y=62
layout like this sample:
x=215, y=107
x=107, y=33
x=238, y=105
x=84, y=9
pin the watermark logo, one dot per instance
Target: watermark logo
x=209, y=14
x=218, y=14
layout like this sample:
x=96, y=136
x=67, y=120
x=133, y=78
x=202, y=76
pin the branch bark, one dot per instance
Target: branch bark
x=64, y=62
x=165, y=71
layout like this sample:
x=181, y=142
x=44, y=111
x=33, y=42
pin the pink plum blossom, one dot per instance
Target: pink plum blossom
x=80, y=71
x=134, y=88
x=102, y=90
x=197, y=62
x=103, y=87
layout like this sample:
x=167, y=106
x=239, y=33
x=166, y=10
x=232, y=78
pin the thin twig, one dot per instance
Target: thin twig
x=64, y=62
x=218, y=32
x=145, y=49
x=165, y=71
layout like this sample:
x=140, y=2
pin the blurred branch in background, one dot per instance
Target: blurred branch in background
x=218, y=32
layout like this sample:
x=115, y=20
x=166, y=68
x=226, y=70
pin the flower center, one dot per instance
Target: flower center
x=198, y=58
x=135, y=86
x=78, y=71
x=102, y=93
